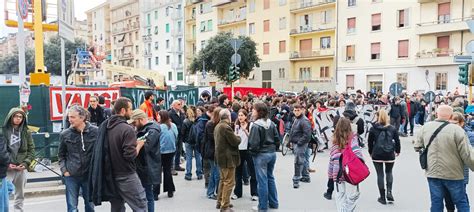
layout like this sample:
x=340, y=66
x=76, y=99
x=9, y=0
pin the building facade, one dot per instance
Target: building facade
x=80, y=29
x=163, y=38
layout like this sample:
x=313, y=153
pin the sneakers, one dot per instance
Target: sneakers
x=390, y=196
x=254, y=198
x=327, y=195
x=213, y=197
x=234, y=197
x=173, y=172
x=200, y=177
x=179, y=168
x=296, y=185
x=170, y=194
x=382, y=200
x=305, y=180
x=188, y=178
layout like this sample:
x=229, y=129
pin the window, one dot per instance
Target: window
x=167, y=11
x=179, y=26
x=441, y=81
x=148, y=31
x=266, y=25
x=167, y=59
x=349, y=82
x=209, y=25
x=137, y=49
x=167, y=44
x=136, y=35
x=283, y=23
x=266, y=48
x=443, y=46
x=148, y=17
x=180, y=59
x=157, y=61
x=170, y=76
x=282, y=2
x=149, y=63
x=325, y=42
x=266, y=79
x=324, y=72
x=205, y=7
x=137, y=64
x=402, y=78
x=266, y=4
x=326, y=16
x=375, y=51
x=403, y=18
x=252, y=6
x=351, y=3
x=180, y=76
x=282, y=46
x=156, y=14
x=350, y=53
x=281, y=73
x=167, y=28
x=305, y=73
x=203, y=26
x=351, y=25
x=376, y=22
x=180, y=48
x=203, y=44
x=95, y=27
x=403, y=49
x=252, y=28
x=156, y=30
x=444, y=12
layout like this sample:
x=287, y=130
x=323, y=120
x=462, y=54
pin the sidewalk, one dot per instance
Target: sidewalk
x=37, y=187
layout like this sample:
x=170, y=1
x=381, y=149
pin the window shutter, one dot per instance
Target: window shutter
x=401, y=17
x=443, y=42
x=403, y=48
x=375, y=48
x=444, y=8
x=376, y=19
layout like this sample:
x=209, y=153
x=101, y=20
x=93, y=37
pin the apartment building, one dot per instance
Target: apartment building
x=377, y=45
x=80, y=29
x=163, y=38
x=443, y=34
x=126, y=37
x=8, y=44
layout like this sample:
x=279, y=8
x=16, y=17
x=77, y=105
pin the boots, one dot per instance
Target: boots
x=382, y=199
x=389, y=193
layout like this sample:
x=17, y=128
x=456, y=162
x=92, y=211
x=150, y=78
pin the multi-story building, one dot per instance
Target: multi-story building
x=8, y=44
x=377, y=45
x=442, y=33
x=126, y=37
x=80, y=29
x=163, y=38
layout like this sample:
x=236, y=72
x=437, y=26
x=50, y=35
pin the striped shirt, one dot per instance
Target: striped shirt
x=333, y=169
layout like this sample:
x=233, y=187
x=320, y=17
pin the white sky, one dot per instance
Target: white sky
x=81, y=6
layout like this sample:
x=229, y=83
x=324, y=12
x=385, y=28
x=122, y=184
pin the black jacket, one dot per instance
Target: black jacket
x=208, y=143
x=351, y=115
x=97, y=115
x=177, y=120
x=263, y=137
x=4, y=157
x=396, y=111
x=185, y=129
x=101, y=180
x=149, y=159
x=201, y=125
x=300, y=133
x=374, y=134
x=75, y=150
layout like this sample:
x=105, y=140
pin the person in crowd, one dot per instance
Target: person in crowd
x=300, y=136
x=242, y=129
x=404, y=116
x=123, y=150
x=346, y=194
x=107, y=111
x=227, y=158
x=396, y=113
x=147, y=106
x=97, y=112
x=168, y=139
x=411, y=112
x=448, y=152
x=384, y=146
x=74, y=155
x=190, y=139
x=4, y=162
x=309, y=114
x=160, y=105
x=21, y=148
x=177, y=116
x=357, y=122
x=208, y=153
x=224, y=101
x=149, y=158
x=205, y=118
x=205, y=97
x=263, y=139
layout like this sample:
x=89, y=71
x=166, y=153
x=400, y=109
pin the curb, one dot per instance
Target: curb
x=45, y=193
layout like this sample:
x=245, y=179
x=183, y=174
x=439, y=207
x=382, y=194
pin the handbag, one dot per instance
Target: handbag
x=424, y=152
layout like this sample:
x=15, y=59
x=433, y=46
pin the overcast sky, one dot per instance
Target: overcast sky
x=80, y=8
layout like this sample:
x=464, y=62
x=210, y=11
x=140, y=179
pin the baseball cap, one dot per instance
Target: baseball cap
x=137, y=114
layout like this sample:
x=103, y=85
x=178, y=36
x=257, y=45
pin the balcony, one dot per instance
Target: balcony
x=238, y=19
x=125, y=56
x=312, y=54
x=176, y=66
x=147, y=53
x=312, y=80
x=190, y=37
x=191, y=19
x=128, y=28
x=310, y=29
x=146, y=38
x=191, y=2
x=443, y=24
x=305, y=5
x=436, y=57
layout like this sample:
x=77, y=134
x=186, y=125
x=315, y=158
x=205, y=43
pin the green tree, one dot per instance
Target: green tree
x=217, y=53
x=9, y=64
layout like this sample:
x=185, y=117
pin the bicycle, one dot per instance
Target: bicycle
x=285, y=144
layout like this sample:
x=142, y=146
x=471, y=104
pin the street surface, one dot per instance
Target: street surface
x=410, y=190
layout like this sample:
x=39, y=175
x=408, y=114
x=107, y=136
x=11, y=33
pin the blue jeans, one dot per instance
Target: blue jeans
x=189, y=160
x=267, y=192
x=213, y=179
x=4, y=195
x=455, y=188
x=73, y=184
x=149, y=197
x=307, y=156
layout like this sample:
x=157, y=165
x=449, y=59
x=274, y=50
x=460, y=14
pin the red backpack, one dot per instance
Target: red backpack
x=351, y=167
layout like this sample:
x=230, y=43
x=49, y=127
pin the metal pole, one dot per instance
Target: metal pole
x=63, y=82
x=20, y=40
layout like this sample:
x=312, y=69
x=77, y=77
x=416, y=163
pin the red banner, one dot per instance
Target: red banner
x=79, y=96
x=242, y=91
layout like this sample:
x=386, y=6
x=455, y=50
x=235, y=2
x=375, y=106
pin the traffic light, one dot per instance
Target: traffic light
x=233, y=73
x=464, y=74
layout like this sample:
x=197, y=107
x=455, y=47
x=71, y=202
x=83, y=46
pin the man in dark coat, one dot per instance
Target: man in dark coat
x=149, y=158
x=177, y=117
x=96, y=111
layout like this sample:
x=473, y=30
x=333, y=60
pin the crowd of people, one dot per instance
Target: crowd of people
x=121, y=155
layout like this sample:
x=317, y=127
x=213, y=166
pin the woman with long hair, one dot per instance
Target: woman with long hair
x=384, y=145
x=242, y=129
x=346, y=194
x=190, y=138
x=209, y=148
x=168, y=136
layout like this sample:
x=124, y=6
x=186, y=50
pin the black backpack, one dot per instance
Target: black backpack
x=193, y=134
x=384, y=146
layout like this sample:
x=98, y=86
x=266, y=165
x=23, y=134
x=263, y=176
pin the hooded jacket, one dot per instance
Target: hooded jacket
x=26, y=153
x=149, y=158
x=373, y=136
x=263, y=136
x=300, y=133
x=122, y=146
x=75, y=150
